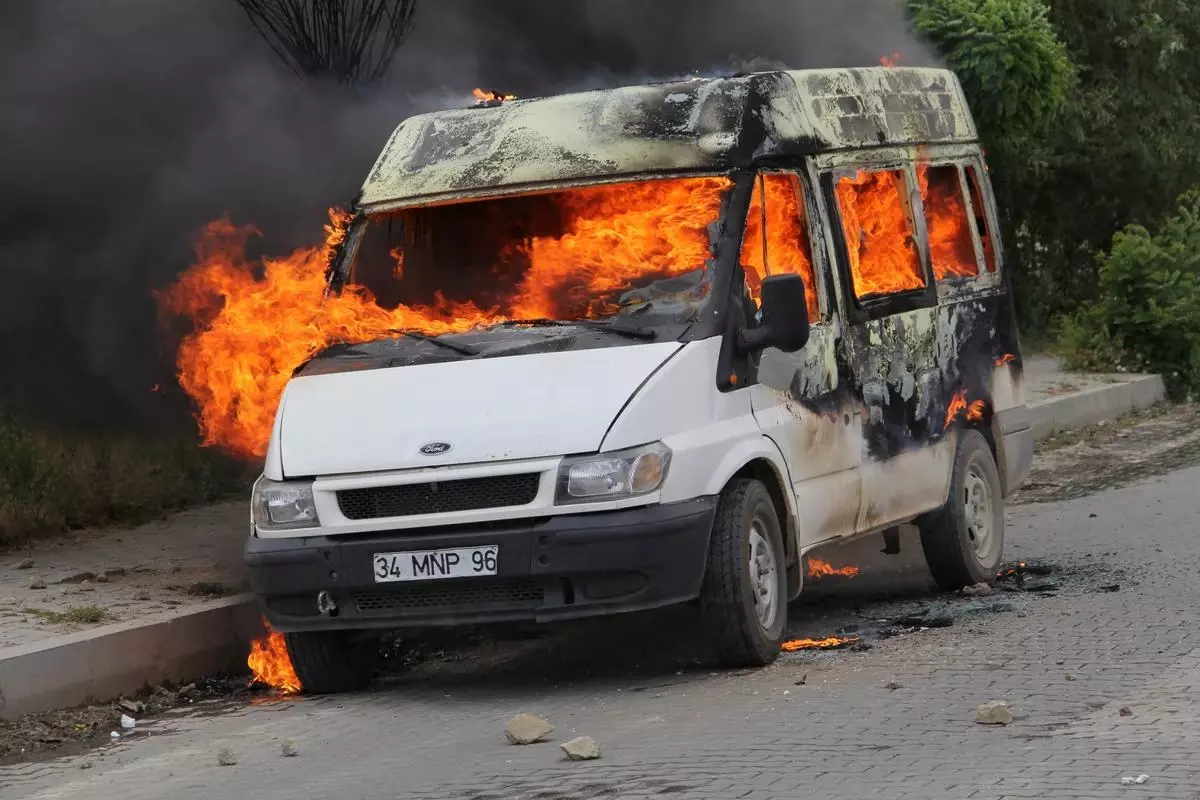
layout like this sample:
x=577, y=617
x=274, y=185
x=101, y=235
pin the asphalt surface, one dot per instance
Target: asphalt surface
x=1100, y=664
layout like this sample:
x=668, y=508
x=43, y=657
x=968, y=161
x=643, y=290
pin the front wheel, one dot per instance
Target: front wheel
x=744, y=600
x=964, y=539
x=332, y=662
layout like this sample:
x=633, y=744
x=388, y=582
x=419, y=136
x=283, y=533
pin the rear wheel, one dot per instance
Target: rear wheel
x=964, y=539
x=332, y=662
x=744, y=601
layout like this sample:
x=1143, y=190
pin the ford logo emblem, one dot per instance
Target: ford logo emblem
x=435, y=449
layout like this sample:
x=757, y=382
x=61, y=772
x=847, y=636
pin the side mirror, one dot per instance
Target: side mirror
x=784, y=316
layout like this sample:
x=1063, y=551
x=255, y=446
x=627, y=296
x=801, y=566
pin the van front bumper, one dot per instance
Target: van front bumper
x=549, y=569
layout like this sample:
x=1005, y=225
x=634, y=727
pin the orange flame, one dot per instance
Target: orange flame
x=1007, y=358
x=617, y=234
x=958, y=404
x=788, y=249
x=891, y=61
x=271, y=665
x=831, y=643
x=880, y=239
x=951, y=245
x=256, y=322
x=485, y=96
x=820, y=569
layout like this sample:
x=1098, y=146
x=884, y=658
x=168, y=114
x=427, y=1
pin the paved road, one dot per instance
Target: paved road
x=672, y=727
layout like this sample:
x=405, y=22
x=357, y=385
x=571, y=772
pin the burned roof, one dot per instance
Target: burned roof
x=701, y=124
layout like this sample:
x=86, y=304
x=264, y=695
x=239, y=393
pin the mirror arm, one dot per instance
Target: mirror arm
x=753, y=339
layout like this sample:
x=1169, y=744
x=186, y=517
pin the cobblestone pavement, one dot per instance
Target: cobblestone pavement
x=896, y=720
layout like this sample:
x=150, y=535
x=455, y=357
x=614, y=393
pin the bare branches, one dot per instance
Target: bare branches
x=351, y=41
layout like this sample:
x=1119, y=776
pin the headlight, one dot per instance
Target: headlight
x=283, y=506
x=613, y=476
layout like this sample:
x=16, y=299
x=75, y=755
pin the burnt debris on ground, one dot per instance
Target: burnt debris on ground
x=72, y=731
x=1017, y=587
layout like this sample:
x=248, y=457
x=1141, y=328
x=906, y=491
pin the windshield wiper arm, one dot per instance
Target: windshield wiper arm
x=644, y=334
x=464, y=349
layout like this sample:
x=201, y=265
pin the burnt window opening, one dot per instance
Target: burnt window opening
x=983, y=228
x=947, y=223
x=877, y=224
x=785, y=249
x=582, y=253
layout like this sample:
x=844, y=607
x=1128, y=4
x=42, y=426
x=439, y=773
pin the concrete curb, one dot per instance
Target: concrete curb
x=1098, y=404
x=114, y=660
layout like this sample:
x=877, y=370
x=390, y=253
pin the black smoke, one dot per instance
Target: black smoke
x=125, y=125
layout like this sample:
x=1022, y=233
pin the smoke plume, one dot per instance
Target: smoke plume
x=128, y=124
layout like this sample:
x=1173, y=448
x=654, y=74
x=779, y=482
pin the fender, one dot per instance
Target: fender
x=761, y=448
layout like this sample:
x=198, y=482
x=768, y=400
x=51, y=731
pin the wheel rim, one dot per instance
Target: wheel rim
x=764, y=576
x=978, y=511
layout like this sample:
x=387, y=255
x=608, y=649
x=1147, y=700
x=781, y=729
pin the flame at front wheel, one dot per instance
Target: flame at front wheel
x=270, y=663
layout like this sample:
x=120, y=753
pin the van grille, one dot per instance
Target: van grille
x=415, y=499
x=501, y=595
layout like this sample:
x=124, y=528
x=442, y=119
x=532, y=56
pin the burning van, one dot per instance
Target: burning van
x=653, y=345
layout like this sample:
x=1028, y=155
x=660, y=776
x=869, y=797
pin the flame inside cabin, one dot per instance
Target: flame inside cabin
x=880, y=241
x=951, y=244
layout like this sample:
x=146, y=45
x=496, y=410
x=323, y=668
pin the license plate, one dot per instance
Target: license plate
x=432, y=565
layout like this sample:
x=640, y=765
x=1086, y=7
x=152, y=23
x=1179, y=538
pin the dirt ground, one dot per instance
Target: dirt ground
x=1078, y=463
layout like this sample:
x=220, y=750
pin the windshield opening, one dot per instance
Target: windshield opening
x=584, y=253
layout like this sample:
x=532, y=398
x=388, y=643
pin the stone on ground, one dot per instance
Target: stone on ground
x=978, y=590
x=527, y=729
x=584, y=748
x=288, y=748
x=226, y=757
x=994, y=713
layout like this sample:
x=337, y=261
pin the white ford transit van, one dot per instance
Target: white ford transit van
x=665, y=340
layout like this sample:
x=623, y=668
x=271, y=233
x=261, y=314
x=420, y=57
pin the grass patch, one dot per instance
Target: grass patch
x=80, y=615
x=52, y=482
x=205, y=589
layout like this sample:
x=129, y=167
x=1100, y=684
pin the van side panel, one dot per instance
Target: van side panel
x=920, y=374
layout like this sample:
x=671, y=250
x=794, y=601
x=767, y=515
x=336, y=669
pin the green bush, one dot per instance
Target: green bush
x=1012, y=64
x=52, y=482
x=1147, y=315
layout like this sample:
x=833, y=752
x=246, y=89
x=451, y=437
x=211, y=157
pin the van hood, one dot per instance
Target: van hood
x=516, y=407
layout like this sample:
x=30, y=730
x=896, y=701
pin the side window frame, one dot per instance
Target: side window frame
x=953, y=285
x=817, y=255
x=989, y=213
x=859, y=311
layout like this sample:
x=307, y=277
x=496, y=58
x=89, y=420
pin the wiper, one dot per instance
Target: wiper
x=464, y=349
x=644, y=334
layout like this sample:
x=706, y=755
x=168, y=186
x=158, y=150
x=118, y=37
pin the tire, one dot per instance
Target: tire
x=964, y=539
x=330, y=662
x=746, y=520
